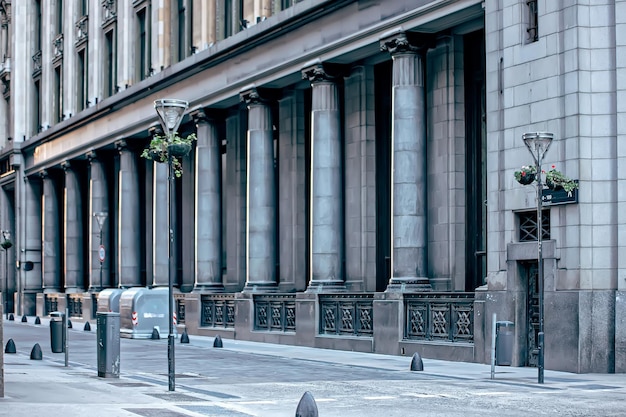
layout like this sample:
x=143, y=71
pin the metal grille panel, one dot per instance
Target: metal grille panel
x=439, y=316
x=347, y=314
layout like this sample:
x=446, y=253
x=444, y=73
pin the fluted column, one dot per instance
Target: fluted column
x=160, y=213
x=409, y=227
x=33, y=278
x=327, y=244
x=99, y=201
x=73, y=238
x=51, y=236
x=261, y=195
x=208, y=210
x=128, y=240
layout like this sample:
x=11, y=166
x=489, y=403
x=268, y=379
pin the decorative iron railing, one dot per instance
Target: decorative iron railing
x=346, y=314
x=75, y=305
x=51, y=303
x=439, y=316
x=218, y=310
x=275, y=312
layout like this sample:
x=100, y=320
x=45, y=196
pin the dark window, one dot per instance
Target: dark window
x=36, y=108
x=142, y=46
x=37, y=26
x=182, y=33
x=58, y=93
x=59, y=16
x=109, y=63
x=81, y=72
x=533, y=21
x=528, y=226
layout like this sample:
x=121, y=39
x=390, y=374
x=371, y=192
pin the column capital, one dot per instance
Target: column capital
x=66, y=165
x=251, y=97
x=316, y=73
x=91, y=155
x=43, y=174
x=401, y=43
x=121, y=145
x=199, y=116
x=155, y=131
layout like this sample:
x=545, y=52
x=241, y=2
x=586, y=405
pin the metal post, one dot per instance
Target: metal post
x=538, y=144
x=6, y=281
x=100, y=259
x=171, y=360
x=170, y=112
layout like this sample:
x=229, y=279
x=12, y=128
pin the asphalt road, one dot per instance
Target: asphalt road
x=237, y=381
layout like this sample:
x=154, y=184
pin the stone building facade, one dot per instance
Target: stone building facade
x=352, y=182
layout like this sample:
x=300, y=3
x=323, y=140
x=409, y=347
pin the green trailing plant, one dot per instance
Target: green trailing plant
x=526, y=174
x=6, y=244
x=556, y=179
x=159, y=149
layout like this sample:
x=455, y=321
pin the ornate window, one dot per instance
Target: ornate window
x=533, y=21
x=528, y=226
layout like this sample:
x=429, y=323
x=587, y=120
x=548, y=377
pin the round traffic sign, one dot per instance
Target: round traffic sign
x=101, y=253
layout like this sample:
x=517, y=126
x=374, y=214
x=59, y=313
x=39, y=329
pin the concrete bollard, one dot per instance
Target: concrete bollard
x=24, y=319
x=36, y=354
x=37, y=320
x=307, y=406
x=217, y=343
x=155, y=334
x=185, y=337
x=87, y=327
x=416, y=363
x=10, y=347
x=11, y=318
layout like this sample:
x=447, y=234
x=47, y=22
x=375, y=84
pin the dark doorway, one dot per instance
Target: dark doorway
x=529, y=274
x=382, y=76
x=475, y=160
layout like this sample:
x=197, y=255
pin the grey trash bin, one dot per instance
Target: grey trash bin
x=57, y=335
x=108, y=344
x=505, y=337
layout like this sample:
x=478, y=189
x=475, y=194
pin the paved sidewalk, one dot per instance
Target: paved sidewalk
x=47, y=387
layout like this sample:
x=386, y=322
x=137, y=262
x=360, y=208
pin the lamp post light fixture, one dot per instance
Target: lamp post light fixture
x=170, y=112
x=538, y=144
x=6, y=245
x=101, y=217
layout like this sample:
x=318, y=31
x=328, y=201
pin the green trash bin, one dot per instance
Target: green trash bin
x=57, y=335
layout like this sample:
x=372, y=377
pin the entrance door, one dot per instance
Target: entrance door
x=529, y=271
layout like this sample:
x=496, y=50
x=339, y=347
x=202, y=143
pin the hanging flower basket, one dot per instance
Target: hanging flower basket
x=160, y=148
x=526, y=175
x=178, y=149
x=6, y=244
x=556, y=180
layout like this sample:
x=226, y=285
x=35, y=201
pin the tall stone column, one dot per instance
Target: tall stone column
x=128, y=240
x=408, y=162
x=327, y=234
x=99, y=201
x=261, y=195
x=208, y=210
x=32, y=279
x=51, y=233
x=160, y=213
x=73, y=237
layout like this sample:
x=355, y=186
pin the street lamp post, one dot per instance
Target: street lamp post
x=6, y=244
x=538, y=144
x=101, y=217
x=170, y=113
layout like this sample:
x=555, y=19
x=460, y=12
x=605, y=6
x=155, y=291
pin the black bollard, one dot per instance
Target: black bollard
x=11, y=318
x=185, y=337
x=87, y=327
x=24, y=319
x=307, y=406
x=69, y=323
x=36, y=354
x=37, y=320
x=155, y=334
x=217, y=343
x=10, y=347
x=416, y=363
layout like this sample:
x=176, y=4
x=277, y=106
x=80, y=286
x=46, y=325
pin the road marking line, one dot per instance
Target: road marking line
x=495, y=393
x=325, y=400
x=256, y=402
x=382, y=397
